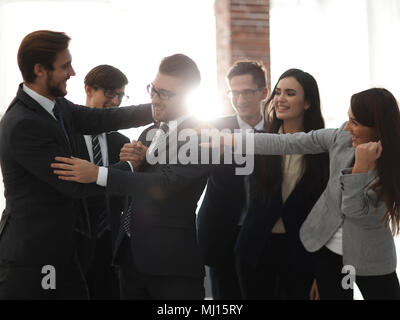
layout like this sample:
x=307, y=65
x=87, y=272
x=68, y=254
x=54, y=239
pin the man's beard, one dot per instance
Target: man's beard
x=53, y=89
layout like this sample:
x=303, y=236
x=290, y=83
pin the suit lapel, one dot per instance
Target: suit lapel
x=112, y=144
x=32, y=104
x=234, y=123
x=188, y=123
x=110, y=148
x=41, y=112
x=82, y=150
x=143, y=136
x=185, y=124
x=67, y=124
x=348, y=157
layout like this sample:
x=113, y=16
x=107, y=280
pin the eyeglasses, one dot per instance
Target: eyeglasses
x=110, y=94
x=246, y=94
x=162, y=94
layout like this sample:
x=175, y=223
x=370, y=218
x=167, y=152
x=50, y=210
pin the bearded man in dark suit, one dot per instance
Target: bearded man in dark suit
x=38, y=256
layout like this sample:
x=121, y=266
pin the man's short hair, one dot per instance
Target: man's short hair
x=252, y=67
x=181, y=66
x=106, y=77
x=42, y=47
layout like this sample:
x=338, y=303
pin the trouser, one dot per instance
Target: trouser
x=333, y=286
x=274, y=277
x=55, y=282
x=136, y=285
x=101, y=277
x=224, y=277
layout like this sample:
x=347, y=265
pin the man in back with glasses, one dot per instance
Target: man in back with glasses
x=105, y=88
x=223, y=209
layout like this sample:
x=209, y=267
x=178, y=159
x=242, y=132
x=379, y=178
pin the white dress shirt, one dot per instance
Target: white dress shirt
x=103, y=147
x=292, y=171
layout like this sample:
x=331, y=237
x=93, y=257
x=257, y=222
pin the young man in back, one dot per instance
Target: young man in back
x=223, y=208
x=105, y=88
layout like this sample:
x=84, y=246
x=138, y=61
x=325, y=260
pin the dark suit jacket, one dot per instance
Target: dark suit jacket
x=163, y=222
x=261, y=218
x=40, y=215
x=221, y=208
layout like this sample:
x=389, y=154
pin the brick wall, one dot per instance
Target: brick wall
x=242, y=33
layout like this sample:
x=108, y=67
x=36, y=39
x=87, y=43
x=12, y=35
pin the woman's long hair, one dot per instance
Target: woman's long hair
x=269, y=167
x=377, y=108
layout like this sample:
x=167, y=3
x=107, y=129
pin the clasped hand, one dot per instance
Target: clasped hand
x=135, y=153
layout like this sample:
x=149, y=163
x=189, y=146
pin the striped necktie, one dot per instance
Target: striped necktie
x=160, y=140
x=164, y=127
x=97, y=158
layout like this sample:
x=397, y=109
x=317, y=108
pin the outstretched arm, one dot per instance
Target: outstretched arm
x=93, y=121
x=242, y=142
x=83, y=171
x=313, y=142
x=169, y=180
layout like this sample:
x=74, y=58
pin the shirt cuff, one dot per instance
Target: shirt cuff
x=130, y=165
x=102, y=176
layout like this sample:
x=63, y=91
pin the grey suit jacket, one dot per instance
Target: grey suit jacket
x=367, y=244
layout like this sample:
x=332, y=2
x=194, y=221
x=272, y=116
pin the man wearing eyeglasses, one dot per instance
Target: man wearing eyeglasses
x=105, y=88
x=156, y=249
x=223, y=209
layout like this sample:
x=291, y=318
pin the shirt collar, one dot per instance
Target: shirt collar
x=244, y=125
x=46, y=103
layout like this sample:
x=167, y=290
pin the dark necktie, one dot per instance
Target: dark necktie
x=259, y=131
x=164, y=127
x=160, y=140
x=126, y=220
x=58, y=114
x=97, y=158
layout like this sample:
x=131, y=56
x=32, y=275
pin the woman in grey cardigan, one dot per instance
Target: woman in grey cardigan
x=349, y=226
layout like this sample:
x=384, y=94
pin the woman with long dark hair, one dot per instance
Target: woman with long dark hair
x=349, y=226
x=272, y=262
